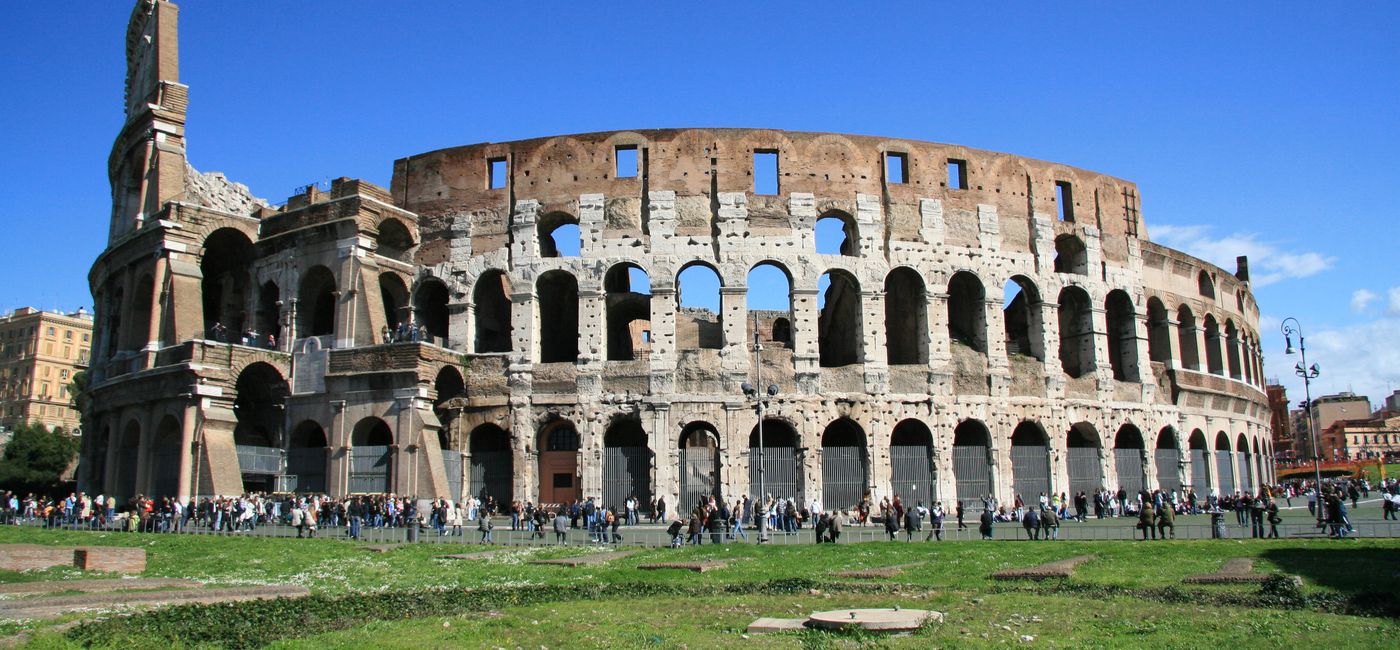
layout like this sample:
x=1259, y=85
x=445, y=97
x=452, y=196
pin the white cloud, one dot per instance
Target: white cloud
x=1361, y=299
x=1394, y=308
x=1267, y=262
x=1362, y=358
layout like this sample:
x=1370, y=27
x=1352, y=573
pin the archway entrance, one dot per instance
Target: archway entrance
x=306, y=458
x=492, y=464
x=558, y=447
x=371, y=457
x=912, y=472
x=1127, y=459
x=779, y=462
x=1200, y=464
x=970, y=467
x=1167, y=458
x=1030, y=462
x=845, y=465
x=626, y=465
x=1082, y=456
x=700, y=477
x=1223, y=470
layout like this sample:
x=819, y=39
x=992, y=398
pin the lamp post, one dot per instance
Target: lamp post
x=1308, y=373
x=761, y=403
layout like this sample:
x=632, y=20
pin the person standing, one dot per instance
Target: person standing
x=1256, y=518
x=936, y=516
x=833, y=527
x=737, y=516
x=985, y=525
x=1272, y=514
x=1049, y=524
x=1031, y=522
x=1146, y=521
x=484, y=525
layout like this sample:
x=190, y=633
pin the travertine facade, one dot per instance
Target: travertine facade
x=990, y=323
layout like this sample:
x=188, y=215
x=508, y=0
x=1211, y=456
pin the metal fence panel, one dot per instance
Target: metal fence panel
x=1200, y=473
x=308, y=466
x=1128, y=462
x=971, y=471
x=779, y=472
x=253, y=459
x=1084, y=471
x=1222, y=469
x=369, y=469
x=698, y=476
x=452, y=466
x=626, y=473
x=912, y=474
x=1030, y=471
x=1246, y=472
x=491, y=475
x=845, y=473
x=1168, y=472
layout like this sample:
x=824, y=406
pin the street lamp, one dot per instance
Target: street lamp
x=1308, y=373
x=761, y=401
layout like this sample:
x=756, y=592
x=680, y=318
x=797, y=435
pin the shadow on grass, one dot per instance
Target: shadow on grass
x=1367, y=578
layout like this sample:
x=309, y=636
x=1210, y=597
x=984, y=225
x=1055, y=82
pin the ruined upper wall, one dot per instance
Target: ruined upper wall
x=704, y=162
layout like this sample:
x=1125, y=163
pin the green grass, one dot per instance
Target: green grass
x=951, y=577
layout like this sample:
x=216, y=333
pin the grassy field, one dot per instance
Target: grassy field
x=1130, y=596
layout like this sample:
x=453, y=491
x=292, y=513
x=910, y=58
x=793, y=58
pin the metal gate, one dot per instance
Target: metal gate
x=912, y=474
x=165, y=465
x=1222, y=469
x=1246, y=475
x=308, y=466
x=1030, y=471
x=1200, y=473
x=491, y=474
x=844, y=477
x=1084, y=470
x=1168, y=472
x=626, y=473
x=699, y=476
x=1128, y=462
x=779, y=472
x=452, y=466
x=127, y=458
x=971, y=471
x=369, y=470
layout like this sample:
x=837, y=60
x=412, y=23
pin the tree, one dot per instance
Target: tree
x=36, y=458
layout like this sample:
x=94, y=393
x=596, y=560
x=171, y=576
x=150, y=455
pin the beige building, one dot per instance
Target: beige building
x=1377, y=436
x=39, y=353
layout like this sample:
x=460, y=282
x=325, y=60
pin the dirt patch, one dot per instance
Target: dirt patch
x=59, y=605
x=584, y=560
x=94, y=586
x=1057, y=569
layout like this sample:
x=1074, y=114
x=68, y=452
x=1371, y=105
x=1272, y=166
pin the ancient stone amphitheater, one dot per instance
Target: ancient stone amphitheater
x=575, y=316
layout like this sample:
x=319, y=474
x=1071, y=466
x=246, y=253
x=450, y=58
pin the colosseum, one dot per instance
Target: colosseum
x=580, y=315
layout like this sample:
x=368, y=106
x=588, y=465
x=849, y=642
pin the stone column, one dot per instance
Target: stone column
x=734, y=320
x=158, y=299
x=806, y=357
x=187, y=430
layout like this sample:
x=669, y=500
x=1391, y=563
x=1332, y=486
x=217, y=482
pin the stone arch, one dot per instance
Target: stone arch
x=317, y=298
x=260, y=405
x=912, y=464
x=492, y=467
x=1121, y=319
x=1200, y=463
x=972, y=470
x=906, y=317
x=269, y=314
x=1030, y=462
x=1205, y=285
x=1215, y=363
x=1224, y=473
x=1232, y=350
x=1244, y=461
x=430, y=300
x=1186, y=337
x=1071, y=256
x=769, y=289
x=558, y=444
x=393, y=295
x=371, y=457
x=836, y=233
x=627, y=464
x=491, y=297
x=845, y=464
x=307, y=455
x=128, y=460
x=558, y=235
x=165, y=458
x=1025, y=329
x=780, y=462
x=1159, y=333
x=557, y=317
x=138, y=332
x=839, y=319
x=967, y=311
x=1076, y=332
x=393, y=240
x=699, y=320
x=628, y=311
x=1128, y=449
x=1083, y=455
x=226, y=266
x=699, y=446
x=1166, y=458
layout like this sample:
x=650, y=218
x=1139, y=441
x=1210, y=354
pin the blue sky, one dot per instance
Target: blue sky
x=1266, y=129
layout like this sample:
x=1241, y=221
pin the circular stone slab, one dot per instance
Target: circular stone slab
x=885, y=620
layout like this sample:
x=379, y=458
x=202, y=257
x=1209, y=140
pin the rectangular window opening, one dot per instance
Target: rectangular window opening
x=1064, y=199
x=496, y=171
x=957, y=174
x=896, y=168
x=625, y=157
x=765, y=172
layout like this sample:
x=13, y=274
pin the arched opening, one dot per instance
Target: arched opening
x=1070, y=255
x=451, y=393
x=1076, y=332
x=225, y=266
x=912, y=471
x=558, y=235
x=557, y=293
x=1127, y=459
x=1186, y=337
x=698, y=322
x=1232, y=349
x=1223, y=470
x=115, y=307
x=906, y=318
x=782, y=332
x=1122, y=335
x=836, y=234
x=967, y=311
x=259, y=408
x=1200, y=463
x=1214, y=362
x=493, y=465
x=1159, y=332
x=1083, y=458
x=491, y=296
x=774, y=472
x=769, y=296
x=371, y=457
x=394, y=296
x=316, y=302
x=845, y=465
x=307, y=454
x=165, y=459
x=971, y=468
x=700, y=471
x=628, y=305
x=1260, y=476
x=627, y=461
x=1244, y=462
x=430, y=303
x=558, y=457
x=269, y=313
x=394, y=240
x=128, y=457
x=1167, y=460
x=839, y=319
x=142, y=301
x=1205, y=285
x=1025, y=329
x=1030, y=462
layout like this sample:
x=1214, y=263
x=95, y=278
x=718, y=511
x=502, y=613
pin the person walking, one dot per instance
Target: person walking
x=1272, y=514
x=1031, y=522
x=936, y=516
x=961, y=525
